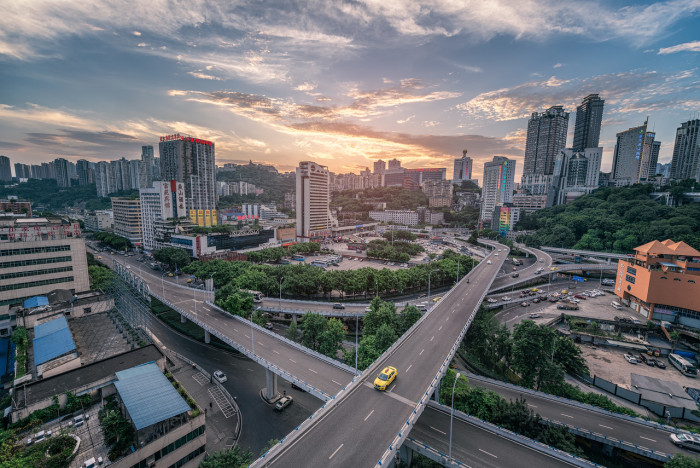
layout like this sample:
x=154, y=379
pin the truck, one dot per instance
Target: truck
x=567, y=306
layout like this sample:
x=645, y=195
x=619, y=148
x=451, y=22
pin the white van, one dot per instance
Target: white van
x=616, y=305
x=423, y=307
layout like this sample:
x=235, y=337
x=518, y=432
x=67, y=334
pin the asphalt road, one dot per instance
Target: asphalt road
x=526, y=273
x=474, y=446
x=245, y=380
x=611, y=426
x=357, y=431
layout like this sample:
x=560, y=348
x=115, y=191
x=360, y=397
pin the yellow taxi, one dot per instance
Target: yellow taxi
x=99, y=257
x=170, y=275
x=553, y=269
x=189, y=280
x=437, y=298
x=385, y=378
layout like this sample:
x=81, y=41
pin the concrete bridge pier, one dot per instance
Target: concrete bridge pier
x=183, y=319
x=405, y=455
x=436, y=394
x=207, y=337
x=271, y=388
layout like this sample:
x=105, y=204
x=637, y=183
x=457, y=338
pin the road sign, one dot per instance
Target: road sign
x=580, y=279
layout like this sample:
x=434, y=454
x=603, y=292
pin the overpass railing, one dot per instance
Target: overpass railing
x=519, y=439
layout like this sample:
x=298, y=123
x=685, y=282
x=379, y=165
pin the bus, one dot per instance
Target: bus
x=299, y=258
x=257, y=295
x=320, y=263
x=359, y=246
x=683, y=365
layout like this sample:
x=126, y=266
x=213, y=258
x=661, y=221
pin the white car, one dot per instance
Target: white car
x=689, y=441
x=283, y=402
x=496, y=254
x=488, y=262
x=631, y=359
x=220, y=376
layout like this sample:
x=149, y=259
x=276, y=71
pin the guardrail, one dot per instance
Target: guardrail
x=519, y=439
x=566, y=401
x=406, y=427
x=629, y=446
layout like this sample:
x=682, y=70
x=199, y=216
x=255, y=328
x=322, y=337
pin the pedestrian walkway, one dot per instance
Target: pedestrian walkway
x=223, y=421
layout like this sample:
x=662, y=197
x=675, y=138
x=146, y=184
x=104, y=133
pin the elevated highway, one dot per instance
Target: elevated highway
x=586, y=253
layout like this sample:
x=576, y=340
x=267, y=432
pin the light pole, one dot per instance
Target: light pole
x=280, y=302
x=357, y=330
x=162, y=283
x=452, y=414
x=458, y=269
x=430, y=273
x=194, y=298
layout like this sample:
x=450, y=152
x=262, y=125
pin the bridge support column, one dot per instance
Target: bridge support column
x=183, y=319
x=271, y=389
x=207, y=337
x=294, y=318
x=436, y=394
x=405, y=455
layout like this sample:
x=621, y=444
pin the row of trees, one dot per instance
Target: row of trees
x=174, y=257
x=113, y=240
x=274, y=254
x=614, y=219
x=305, y=281
x=515, y=415
x=534, y=356
x=397, y=251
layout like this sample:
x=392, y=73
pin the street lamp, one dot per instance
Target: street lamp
x=162, y=283
x=458, y=259
x=357, y=328
x=430, y=273
x=281, y=279
x=452, y=414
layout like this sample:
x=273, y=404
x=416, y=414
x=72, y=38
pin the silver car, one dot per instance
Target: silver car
x=689, y=441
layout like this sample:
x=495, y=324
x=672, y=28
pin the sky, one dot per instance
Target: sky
x=342, y=83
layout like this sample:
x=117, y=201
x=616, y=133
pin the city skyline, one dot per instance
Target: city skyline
x=344, y=85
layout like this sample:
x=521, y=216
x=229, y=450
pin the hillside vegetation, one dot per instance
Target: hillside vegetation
x=614, y=219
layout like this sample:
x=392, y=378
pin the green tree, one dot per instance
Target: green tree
x=229, y=458
x=100, y=277
x=378, y=316
x=409, y=315
x=293, y=331
x=313, y=325
x=331, y=339
x=532, y=350
x=682, y=461
x=236, y=303
x=172, y=256
x=385, y=337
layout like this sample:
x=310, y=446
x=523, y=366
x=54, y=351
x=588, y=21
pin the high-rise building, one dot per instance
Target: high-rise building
x=418, y=176
x=127, y=218
x=5, y=169
x=313, y=198
x=137, y=176
x=499, y=180
x=635, y=154
x=576, y=173
x=40, y=255
x=85, y=172
x=62, y=172
x=163, y=200
x=664, y=170
x=379, y=166
x=191, y=161
x=22, y=171
x=148, y=162
x=394, y=165
x=462, y=169
x=103, y=180
x=686, y=152
x=439, y=192
x=589, y=116
x=546, y=136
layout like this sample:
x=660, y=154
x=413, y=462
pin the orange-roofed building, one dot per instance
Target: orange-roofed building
x=662, y=282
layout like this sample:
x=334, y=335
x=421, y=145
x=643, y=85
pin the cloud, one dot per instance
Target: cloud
x=11, y=146
x=693, y=46
x=136, y=33
x=634, y=91
x=204, y=76
x=141, y=44
x=305, y=87
x=407, y=119
x=557, y=65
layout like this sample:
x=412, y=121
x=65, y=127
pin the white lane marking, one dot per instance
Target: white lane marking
x=438, y=430
x=440, y=328
x=647, y=438
x=247, y=336
x=421, y=352
x=336, y=451
x=531, y=405
x=447, y=318
x=567, y=415
x=337, y=383
x=487, y=453
x=370, y=414
x=606, y=427
x=313, y=371
x=292, y=360
x=261, y=344
x=432, y=338
x=409, y=368
x=275, y=351
x=235, y=329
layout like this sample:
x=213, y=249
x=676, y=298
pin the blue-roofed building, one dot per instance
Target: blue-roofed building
x=168, y=431
x=36, y=301
x=54, y=348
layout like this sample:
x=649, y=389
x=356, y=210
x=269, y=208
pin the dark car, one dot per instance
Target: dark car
x=649, y=361
x=659, y=364
x=338, y=305
x=515, y=275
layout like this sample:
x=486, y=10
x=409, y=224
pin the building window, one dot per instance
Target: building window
x=676, y=279
x=630, y=279
x=35, y=250
x=36, y=261
x=45, y=271
x=31, y=284
x=664, y=277
x=691, y=281
x=632, y=271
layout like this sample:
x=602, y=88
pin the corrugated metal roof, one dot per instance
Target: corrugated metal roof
x=52, y=346
x=50, y=327
x=36, y=302
x=148, y=395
